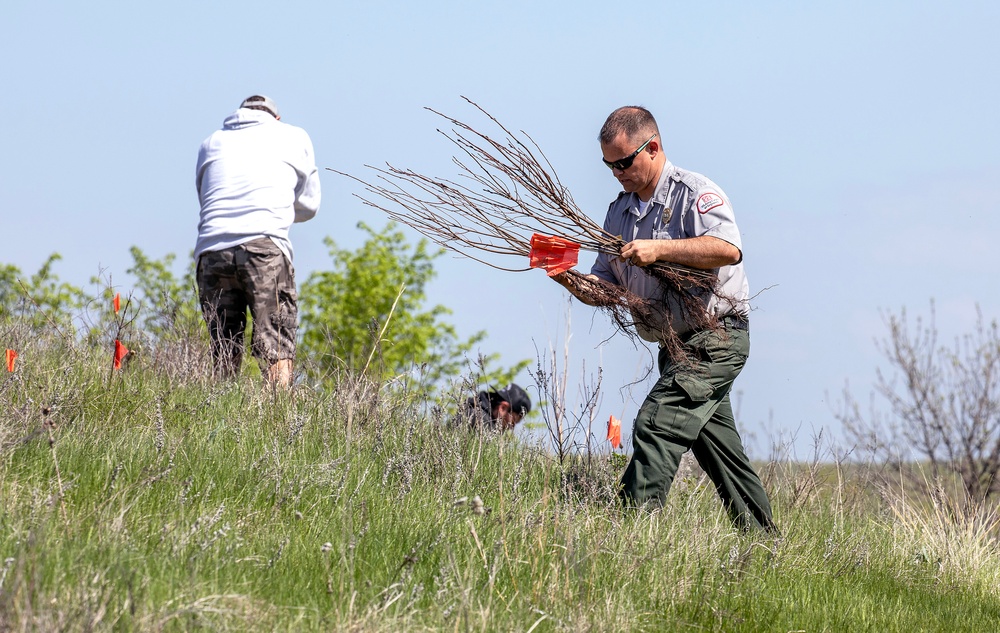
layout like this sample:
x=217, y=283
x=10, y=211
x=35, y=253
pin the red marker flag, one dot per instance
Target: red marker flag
x=117, y=302
x=615, y=431
x=553, y=253
x=11, y=355
x=120, y=352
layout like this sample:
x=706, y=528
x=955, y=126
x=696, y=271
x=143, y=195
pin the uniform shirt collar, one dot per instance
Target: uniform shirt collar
x=660, y=193
x=663, y=185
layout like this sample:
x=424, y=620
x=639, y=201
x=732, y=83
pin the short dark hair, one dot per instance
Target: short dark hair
x=632, y=121
x=261, y=108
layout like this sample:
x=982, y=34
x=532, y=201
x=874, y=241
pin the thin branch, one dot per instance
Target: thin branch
x=505, y=191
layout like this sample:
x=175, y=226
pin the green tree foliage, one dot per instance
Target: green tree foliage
x=41, y=301
x=368, y=314
x=9, y=291
x=168, y=303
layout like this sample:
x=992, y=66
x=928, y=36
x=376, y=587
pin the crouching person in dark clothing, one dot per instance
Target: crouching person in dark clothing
x=496, y=410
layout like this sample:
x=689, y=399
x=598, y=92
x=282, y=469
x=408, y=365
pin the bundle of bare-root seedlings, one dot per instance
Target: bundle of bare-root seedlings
x=506, y=191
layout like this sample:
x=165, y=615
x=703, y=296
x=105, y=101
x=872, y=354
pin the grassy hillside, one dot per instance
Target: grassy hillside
x=146, y=501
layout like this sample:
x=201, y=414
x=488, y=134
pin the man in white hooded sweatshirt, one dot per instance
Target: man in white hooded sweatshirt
x=255, y=178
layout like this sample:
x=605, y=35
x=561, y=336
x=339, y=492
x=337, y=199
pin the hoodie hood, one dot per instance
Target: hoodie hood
x=245, y=117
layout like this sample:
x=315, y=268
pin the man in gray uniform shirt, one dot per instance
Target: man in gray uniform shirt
x=671, y=215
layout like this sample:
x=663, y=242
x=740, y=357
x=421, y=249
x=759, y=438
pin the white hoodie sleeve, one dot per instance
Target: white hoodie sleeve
x=307, y=192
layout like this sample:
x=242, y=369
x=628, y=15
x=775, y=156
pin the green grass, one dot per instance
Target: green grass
x=190, y=505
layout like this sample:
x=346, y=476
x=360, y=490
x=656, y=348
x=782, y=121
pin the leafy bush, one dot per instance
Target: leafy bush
x=366, y=315
x=40, y=301
x=169, y=303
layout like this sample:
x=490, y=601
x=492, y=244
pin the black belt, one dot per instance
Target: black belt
x=735, y=321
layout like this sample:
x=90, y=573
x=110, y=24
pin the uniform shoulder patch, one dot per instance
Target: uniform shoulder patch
x=708, y=201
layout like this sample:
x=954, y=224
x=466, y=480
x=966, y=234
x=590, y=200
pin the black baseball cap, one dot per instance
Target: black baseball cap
x=517, y=397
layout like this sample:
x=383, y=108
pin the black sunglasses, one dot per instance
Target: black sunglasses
x=625, y=163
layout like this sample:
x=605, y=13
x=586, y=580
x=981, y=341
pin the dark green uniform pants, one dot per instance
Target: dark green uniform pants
x=689, y=408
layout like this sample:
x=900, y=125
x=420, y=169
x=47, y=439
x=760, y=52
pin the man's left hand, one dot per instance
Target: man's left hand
x=641, y=252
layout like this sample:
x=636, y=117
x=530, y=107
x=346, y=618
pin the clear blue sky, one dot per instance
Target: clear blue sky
x=858, y=141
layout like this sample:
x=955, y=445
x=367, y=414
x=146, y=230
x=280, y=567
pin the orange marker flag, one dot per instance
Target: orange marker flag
x=615, y=432
x=11, y=355
x=553, y=253
x=120, y=352
x=117, y=302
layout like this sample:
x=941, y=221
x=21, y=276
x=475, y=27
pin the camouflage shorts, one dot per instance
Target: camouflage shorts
x=254, y=275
